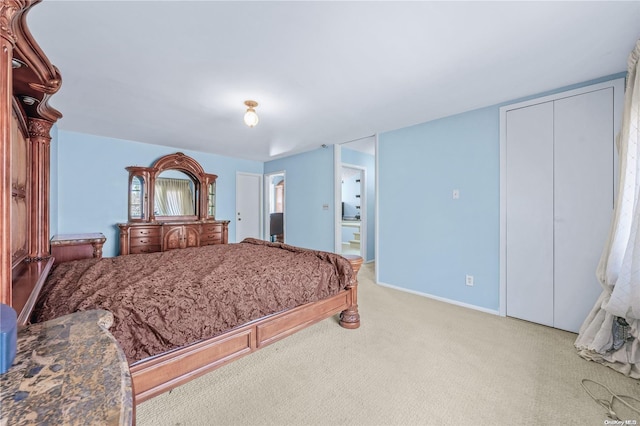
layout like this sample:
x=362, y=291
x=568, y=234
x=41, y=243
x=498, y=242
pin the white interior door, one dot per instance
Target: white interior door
x=529, y=218
x=583, y=200
x=248, y=206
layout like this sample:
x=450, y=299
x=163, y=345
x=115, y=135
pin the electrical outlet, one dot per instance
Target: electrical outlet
x=469, y=280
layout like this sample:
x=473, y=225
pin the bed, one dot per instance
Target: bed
x=180, y=313
x=27, y=81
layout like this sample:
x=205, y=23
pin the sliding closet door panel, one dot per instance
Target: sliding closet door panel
x=529, y=218
x=583, y=198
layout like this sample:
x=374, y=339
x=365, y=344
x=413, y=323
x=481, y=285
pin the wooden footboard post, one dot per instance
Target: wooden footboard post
x=350, y=318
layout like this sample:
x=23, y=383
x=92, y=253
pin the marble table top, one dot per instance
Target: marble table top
x=69, y=371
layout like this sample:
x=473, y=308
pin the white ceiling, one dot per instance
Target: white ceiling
x=177, y=73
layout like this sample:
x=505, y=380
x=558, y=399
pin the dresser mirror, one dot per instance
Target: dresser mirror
x=176, y=186
x=175, y=194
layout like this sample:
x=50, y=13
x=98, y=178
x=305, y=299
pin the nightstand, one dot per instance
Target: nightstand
x=76, y=246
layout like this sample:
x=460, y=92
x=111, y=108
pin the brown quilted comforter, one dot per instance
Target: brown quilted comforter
x=163, y=301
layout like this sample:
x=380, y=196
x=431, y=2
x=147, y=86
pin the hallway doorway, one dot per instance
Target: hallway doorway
x=353, y=206
x=275, y=206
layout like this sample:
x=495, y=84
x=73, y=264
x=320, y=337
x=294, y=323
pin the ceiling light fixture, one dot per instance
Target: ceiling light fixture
x=17, y=63
x=250, y=117
x=29, y=100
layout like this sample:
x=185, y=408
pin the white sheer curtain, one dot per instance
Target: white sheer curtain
x=610, y=334
x=173, y=197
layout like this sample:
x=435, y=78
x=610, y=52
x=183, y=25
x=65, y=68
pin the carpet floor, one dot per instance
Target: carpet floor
x=413, y=361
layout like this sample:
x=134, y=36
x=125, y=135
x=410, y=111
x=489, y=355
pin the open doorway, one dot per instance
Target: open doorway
x=275, y=206
x=354, y=166
x=353, y=206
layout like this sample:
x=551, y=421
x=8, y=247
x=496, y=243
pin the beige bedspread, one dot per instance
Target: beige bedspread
x=163, y=301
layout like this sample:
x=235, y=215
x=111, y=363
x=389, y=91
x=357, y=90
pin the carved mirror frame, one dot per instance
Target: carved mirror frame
x=204, y=185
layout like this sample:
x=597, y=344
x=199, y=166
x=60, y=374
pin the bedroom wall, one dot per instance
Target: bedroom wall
x=308, y=186
x=53, y=182
x=92, y=182
x=428, y=240
x=429, y=244
x=350, y=156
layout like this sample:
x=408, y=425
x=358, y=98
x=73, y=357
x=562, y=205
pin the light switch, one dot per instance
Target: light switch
x=456, y=194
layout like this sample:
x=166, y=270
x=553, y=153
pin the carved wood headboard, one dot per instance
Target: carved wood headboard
x=27, y=81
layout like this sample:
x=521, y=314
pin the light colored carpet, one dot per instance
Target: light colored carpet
x=413, y=361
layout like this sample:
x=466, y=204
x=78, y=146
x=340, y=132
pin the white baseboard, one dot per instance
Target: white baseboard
x=442, y=299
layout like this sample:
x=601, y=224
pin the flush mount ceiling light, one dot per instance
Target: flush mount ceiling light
x=29, y=100
x=17, y=63
x=250, y=117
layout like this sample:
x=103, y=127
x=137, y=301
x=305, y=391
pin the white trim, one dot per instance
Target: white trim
x=617, y=84
x=376, y=219
x=618, y=97
x=337, y=198
x=442, y=299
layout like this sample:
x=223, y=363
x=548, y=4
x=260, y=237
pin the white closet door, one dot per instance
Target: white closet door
x=583, y=201
x=529, y=218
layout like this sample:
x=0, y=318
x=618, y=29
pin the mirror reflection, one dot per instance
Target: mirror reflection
x=136, y=195
x=175, y=194
x=211, y=203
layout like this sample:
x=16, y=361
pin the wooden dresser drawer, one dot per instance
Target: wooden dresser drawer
x=207, y=240
x=153, y=237
x=151, y=231
x=144, y=249
x=211, y=227
x=144, y=241
x=211, y=234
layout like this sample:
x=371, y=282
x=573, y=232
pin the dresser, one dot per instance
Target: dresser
x=172, y=205
x=144, y=237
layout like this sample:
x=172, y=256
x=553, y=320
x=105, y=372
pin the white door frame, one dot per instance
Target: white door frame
x=260, y=202
x=266, y=217
x=337, y=198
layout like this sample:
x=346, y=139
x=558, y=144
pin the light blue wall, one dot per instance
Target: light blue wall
x=308, y=186
x=357, y=158
x=92, y=182
x=428, y=241
x=53, y=182
x=429, y=245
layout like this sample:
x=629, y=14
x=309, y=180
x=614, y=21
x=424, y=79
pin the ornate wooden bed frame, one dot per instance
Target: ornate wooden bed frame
x=27, y=80
x=166, y=371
